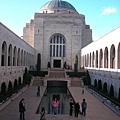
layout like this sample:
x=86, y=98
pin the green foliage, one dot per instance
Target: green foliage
x=95, y=83
x=65, y=65
x=19, y=81
x=10, y=86
x=76, y=64
x=48, y=65
x=78, y=74
x=105, y=88
x=3, y=88
x=15, y=83
x=99, y=85
x=88, y=80
x=111, y=93
x=119, y=95
x=39, y=62
x=40, y=73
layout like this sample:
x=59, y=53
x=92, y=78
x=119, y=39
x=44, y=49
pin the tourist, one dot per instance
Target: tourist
x=83, y=90
x=55, y=105
x=38, y=90
x=84, y=107
x=43, y=114
x=71, y=107
x=77, y=109
x=22, y=109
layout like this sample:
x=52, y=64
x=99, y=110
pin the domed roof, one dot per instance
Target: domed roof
x=57, y=4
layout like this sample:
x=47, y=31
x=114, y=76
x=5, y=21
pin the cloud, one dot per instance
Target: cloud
x=108, y=10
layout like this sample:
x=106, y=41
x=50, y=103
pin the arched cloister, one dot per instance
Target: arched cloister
x=101, y=59
x=87, y=60
x=112, y=56
x=106, y=58
x=18, y=58
x=21, y=57
x=90, y=59
x=96, y=60
x=118, y=57
x=14, y=56
x=93, y=59
x=4, y=54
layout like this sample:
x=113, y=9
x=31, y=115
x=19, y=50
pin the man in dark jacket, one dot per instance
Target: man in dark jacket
x=22, y=109
x=77, y=109
x=84, y=107
x=71, y=107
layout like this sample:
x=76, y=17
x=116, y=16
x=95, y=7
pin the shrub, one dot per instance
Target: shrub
x=111, y=93
x=10, y=86
x=3, y=88
x=15, y=83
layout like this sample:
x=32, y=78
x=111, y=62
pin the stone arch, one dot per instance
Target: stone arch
x=101, y=59
x=118, y=57
x=18, y=58
x=93, y=57
x=106, y=58
x=10, y=55
x=112, y=56
x=90, y=59
x=15, y=56
x=21, y=57
x=87, y=60
x=4, y=54
x=96, y=63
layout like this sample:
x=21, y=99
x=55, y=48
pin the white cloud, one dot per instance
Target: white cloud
x=109, y=10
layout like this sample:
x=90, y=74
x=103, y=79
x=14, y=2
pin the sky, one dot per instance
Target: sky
x=102, y=15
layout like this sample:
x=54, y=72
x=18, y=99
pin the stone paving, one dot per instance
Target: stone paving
x=96, y=110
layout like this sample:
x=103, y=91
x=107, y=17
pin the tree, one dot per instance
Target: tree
x=48, y=65
x=88, y=79
x=119, y=95
x=95, y=83
x=3, y=88
x=76, y=64
x=19, y=81
x=111, y=93
x=10, y=86
x=15, y=83
x=105, y=88
x=99, y=85
x=39, y=62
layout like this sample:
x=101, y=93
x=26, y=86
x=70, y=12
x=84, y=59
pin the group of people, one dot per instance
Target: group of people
x=55, y=103
x=76, y=106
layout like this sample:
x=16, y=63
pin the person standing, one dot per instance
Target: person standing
x=71, y=107
x=77, y=109
x=38, y=90
x=43, y=114
x=22, y=109
x=84, y=107
x=55, y=105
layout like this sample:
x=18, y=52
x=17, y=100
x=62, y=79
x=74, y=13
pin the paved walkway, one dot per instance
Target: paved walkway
x=96, y=110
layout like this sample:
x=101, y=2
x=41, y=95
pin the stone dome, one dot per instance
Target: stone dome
x=54, y=4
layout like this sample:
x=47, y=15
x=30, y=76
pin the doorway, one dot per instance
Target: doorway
x=57, y=64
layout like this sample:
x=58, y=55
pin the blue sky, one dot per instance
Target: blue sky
x=102, y=15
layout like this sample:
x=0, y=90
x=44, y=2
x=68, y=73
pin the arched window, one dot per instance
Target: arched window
x=4, y=54
x=106, y=58
x=57, y=46
x=101, y=59
x=118, y=56
x=112, y=57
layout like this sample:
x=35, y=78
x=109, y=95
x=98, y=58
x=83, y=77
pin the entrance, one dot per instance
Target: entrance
x=57, y=64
